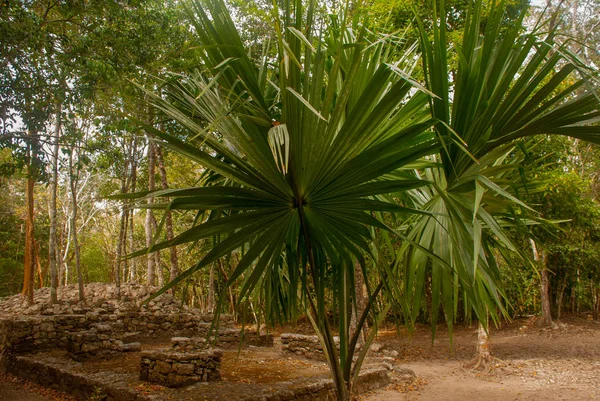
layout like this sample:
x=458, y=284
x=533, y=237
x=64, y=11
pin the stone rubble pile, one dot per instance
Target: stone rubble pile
x=186, y=362
x=100, y=297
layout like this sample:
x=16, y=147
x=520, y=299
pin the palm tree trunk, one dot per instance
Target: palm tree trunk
x=483, y=354
x=323, y=324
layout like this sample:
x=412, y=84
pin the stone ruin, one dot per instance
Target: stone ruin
x=309, y=347
x=99, y=341
x=105, y=324
x=186, y=362
x=302, y=345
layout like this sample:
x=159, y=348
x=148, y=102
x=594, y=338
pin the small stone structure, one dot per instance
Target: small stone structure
x=186, y=362
x=303, y=345
x=99, y=341
x=310, y=347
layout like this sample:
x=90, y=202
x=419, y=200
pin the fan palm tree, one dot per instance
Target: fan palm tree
x=310, y=141
x=305, y=141
x=508, y=84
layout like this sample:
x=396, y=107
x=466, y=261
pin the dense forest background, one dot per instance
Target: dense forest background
x=71, y=98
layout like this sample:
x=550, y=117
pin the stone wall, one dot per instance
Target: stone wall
x=32, y=333
x=99, y=341
x=303, y=345
x=174, y=368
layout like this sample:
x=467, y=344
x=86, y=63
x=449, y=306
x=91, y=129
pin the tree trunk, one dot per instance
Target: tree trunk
x=65, y=261
x=28, y=276
x=59, y=248
x=151, y=266
x=573, y=297
x=174, y=270
x=38, y=264
x=122, y=236
x=226, y=278
x=595, y=293
x=544, y=284
x=560, y=297
x=133, y=174
x=121, y=240
x=211, y=290
x=545, y=292
x=52, y=243
x=483, y=343
x=483, y=353
x=133, y=262
x=360, y=291
x=73, y=180
x=158, y=265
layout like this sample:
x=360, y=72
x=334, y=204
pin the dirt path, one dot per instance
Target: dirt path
x=562, y=363
x=15, y=389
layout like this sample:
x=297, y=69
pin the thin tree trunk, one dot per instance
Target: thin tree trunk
x=132, y=262
x=544, y=284
x=121, y=240
x=73, y=180
x=595, y=293
x=151, y=266
x=360, y=292
x=59, y=261
x=28, y=276
x=38, y=264
x=211, y=290
x=545, y=291
x=122, y=236
x=559, y=298
x=52, y=243
x=226, y=278
x=65, y=256
x=174, y=270
x=573, y=297
x=159, y=270
x=133, y=167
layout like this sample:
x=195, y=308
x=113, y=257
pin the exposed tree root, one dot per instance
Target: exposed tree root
x=484, y=363
x=481, y=362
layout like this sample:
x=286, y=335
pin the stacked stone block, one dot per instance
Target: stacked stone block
x=97, y=342
x=186, y=362
x=302, y=345
x=305, y=346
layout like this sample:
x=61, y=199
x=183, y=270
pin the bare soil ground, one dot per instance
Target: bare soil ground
x=15, y=389
x=532, y=363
